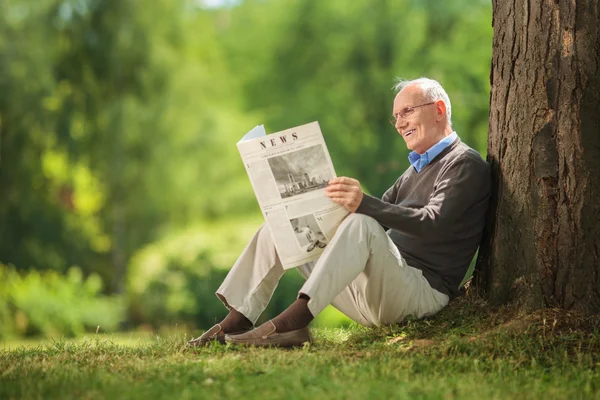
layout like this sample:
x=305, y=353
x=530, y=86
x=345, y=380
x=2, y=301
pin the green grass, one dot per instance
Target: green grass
x=466, y=351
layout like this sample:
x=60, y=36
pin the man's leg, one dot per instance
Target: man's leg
x=345, y=302
x=250, y=283
x=247, y=289
x=363, y=274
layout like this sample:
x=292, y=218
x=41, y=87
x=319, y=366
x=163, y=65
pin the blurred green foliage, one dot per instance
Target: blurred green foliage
x=51, y=304
x=174, y=280
x=118, y=124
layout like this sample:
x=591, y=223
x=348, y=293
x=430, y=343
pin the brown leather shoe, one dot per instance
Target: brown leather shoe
x=267, y=336
x=214, y=334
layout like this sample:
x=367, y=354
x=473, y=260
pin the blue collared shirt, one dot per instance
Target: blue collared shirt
x=419, y=161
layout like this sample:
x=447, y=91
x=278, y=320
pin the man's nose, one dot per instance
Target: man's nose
x=400, y=123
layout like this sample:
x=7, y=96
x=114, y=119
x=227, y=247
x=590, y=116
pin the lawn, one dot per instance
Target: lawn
x=466, y=351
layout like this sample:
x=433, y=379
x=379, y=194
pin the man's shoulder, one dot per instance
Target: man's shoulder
x=464, y=154
x=467, y=165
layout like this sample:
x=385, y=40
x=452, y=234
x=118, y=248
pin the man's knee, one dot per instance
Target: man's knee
x=263, y=234
x=361, y=220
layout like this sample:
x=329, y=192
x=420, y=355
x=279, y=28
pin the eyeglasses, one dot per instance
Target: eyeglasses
x=406, y=112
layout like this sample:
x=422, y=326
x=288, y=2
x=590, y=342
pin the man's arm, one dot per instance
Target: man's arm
x=390, y=194
x=461, y=185
x=348, y=193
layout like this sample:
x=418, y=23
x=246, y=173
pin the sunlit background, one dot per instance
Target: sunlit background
x=123, y=200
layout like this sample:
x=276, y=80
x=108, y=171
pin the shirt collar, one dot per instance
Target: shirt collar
x=419, y=161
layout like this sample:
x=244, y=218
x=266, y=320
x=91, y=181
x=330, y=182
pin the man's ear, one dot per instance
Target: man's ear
x=440, y=110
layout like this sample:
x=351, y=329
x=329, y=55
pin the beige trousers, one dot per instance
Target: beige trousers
x=361, y=273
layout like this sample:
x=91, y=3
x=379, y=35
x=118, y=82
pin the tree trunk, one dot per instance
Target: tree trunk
x=542, y=242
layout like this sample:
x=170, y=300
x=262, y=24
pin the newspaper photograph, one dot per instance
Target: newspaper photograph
x=308, y=233
x=300, y=171
x=289, y=171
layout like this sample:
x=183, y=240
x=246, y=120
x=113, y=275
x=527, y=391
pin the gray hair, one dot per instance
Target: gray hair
x=432, y=90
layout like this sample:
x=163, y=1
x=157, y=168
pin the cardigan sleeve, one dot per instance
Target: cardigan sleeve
x=460, y=185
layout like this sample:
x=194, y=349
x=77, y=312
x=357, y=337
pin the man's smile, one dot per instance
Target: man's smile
x=408, y=133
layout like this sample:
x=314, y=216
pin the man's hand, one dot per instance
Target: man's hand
x=346, y=192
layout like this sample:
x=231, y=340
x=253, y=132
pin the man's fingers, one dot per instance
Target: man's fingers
x=333, y=181
x=340, y=194
x=344, y=180
x=341, y=188
x=345, y=192
x=341, y=200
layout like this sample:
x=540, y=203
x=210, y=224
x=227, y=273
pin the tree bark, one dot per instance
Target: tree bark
x=542, y=242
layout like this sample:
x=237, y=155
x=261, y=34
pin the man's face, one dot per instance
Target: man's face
x=420, y=129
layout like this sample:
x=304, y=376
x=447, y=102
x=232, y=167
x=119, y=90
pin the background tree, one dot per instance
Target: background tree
x=543, y=242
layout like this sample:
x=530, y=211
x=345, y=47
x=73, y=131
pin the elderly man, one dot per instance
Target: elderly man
x=405, y=254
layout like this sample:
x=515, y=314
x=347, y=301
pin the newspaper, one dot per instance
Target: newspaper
x=289, y=171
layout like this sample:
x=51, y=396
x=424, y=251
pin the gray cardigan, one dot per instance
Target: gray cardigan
x=436, y=217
